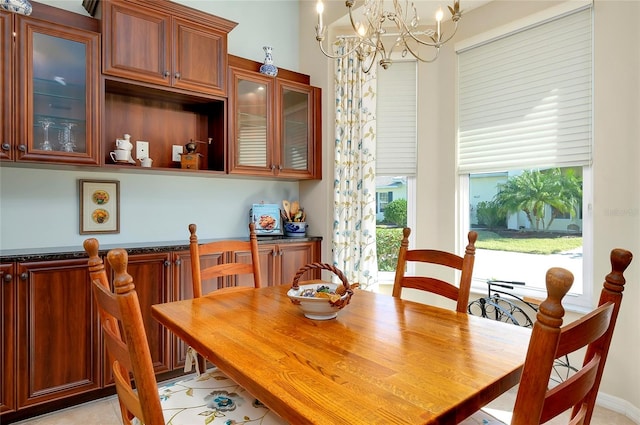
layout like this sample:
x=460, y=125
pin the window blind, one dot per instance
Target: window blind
x=525, y=99
x=396, y=120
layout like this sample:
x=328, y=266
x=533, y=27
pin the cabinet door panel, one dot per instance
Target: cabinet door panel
x=295, y=132
x=58, y=93
x=57, y=332
x=251, y=130
x=6, y=88
x=7, y=338
x=151, y=278
x=198, y=55
x=267, y=266
x=294, y=256
x=136, y=43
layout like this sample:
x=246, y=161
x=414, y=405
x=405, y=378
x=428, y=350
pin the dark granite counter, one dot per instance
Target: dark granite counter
x=70, y=252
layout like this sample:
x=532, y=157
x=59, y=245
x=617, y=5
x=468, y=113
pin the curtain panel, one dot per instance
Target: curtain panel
x=354, y=187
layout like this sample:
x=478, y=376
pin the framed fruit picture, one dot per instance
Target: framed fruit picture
x=99, y=206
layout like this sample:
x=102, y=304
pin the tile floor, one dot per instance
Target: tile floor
x=106, y=411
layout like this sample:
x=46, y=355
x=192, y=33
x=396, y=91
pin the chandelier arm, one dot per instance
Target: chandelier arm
x=417, y=55
x=335, y=55
x=428, y=43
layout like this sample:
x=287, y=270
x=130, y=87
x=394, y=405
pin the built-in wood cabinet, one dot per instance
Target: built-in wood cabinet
x=8, y=334
x=165, y=81
x=7, y=118
x=275, y=124
x=52, y=352
x=164, y=43
x=57, y=337
x=50, y=77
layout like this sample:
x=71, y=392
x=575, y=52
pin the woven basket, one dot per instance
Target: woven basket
x=344, y=292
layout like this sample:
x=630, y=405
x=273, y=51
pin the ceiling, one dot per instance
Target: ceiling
x=426, y=8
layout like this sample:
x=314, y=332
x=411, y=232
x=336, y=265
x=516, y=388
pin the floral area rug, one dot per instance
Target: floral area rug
x=212, y=398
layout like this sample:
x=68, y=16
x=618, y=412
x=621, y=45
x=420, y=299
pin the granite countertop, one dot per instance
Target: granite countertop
x=71, y=252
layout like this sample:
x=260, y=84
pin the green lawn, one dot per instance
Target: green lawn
x=533, y=245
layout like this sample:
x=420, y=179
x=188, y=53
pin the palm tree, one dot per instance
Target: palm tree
x=533, y=191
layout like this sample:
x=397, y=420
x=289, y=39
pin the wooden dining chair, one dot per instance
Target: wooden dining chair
x=128, y=349
x=226, y=269
x=234, y=268
x=130, y=352
x=458, y=293
x=535, y=402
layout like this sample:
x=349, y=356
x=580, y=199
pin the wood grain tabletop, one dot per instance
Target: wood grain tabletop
x=383, y=360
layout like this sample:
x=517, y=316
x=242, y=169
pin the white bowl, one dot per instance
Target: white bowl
x=313, y=307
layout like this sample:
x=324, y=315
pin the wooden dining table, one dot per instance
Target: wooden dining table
x=383, y=360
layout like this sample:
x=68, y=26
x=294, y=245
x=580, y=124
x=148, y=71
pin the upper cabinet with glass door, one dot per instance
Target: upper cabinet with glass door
x=299, y=149
x=275, y=125
x=56, y=71
x=251, y=131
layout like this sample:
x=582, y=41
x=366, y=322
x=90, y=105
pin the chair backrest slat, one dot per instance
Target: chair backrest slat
x=459, y=293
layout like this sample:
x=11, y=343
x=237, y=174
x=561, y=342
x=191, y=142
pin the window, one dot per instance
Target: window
x=382, y=198
x=524, y=149
x=396, y=135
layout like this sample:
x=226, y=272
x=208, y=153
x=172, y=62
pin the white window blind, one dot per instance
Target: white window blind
x=396, y=120
x=525, y=98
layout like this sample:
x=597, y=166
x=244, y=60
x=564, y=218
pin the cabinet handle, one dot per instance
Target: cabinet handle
x=6, y=146
x=166, y=74
x=273, y=167
x=22, y=148
x=178, y=262
x=24, y=276
x=280, y=167
x=167, y=263
x=7, y=277
x=177, y=75
x=280, y=253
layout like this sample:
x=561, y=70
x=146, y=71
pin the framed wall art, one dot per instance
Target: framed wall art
x=99, y=206
x=267, y=219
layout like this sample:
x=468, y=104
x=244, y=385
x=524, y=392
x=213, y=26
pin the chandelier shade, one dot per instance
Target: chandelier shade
x=380, y=32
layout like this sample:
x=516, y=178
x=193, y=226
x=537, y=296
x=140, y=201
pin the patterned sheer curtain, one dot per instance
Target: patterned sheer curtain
x=354, y=187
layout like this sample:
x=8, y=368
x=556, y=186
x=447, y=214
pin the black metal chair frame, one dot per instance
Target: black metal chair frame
x=503, y=305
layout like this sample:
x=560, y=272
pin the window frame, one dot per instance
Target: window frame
x=573, y=302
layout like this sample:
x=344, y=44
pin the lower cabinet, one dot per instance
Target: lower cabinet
x=57, y=344
x=8, y=338
x=152, y=277
x=51, y=351
x=281, y=262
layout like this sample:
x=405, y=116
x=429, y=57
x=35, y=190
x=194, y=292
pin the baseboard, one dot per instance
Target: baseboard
x=620, y=406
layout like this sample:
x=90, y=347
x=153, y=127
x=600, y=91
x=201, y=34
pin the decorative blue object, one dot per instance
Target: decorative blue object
x=295, y=229
x=22, y=7
x=268, y=68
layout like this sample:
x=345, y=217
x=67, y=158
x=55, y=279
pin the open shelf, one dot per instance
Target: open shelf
x=164, y=121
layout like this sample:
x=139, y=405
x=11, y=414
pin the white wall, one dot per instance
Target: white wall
x=616, y=207
x=39, y=206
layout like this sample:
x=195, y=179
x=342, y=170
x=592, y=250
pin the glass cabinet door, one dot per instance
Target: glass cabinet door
x=252, y=123
x=59, y=94
x=295, y=130
x=297, y=139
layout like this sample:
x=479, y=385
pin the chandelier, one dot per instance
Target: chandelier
x=379, y=32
